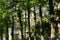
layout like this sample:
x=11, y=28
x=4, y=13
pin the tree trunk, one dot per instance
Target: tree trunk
x=12, y=27
x=6, y=23
x=29, y=22
x=51, y=12
x=41, y=30
x=34, y=24
x=21, y=25
x=1, y=33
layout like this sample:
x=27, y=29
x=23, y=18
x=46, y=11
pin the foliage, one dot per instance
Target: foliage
x=12, y=7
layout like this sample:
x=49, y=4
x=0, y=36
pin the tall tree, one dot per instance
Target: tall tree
x=21, y=25
x=6, y=23
x=51, y=12
x=28, y=8
x=34, y=24
x=12, y=27
x=40, y=14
